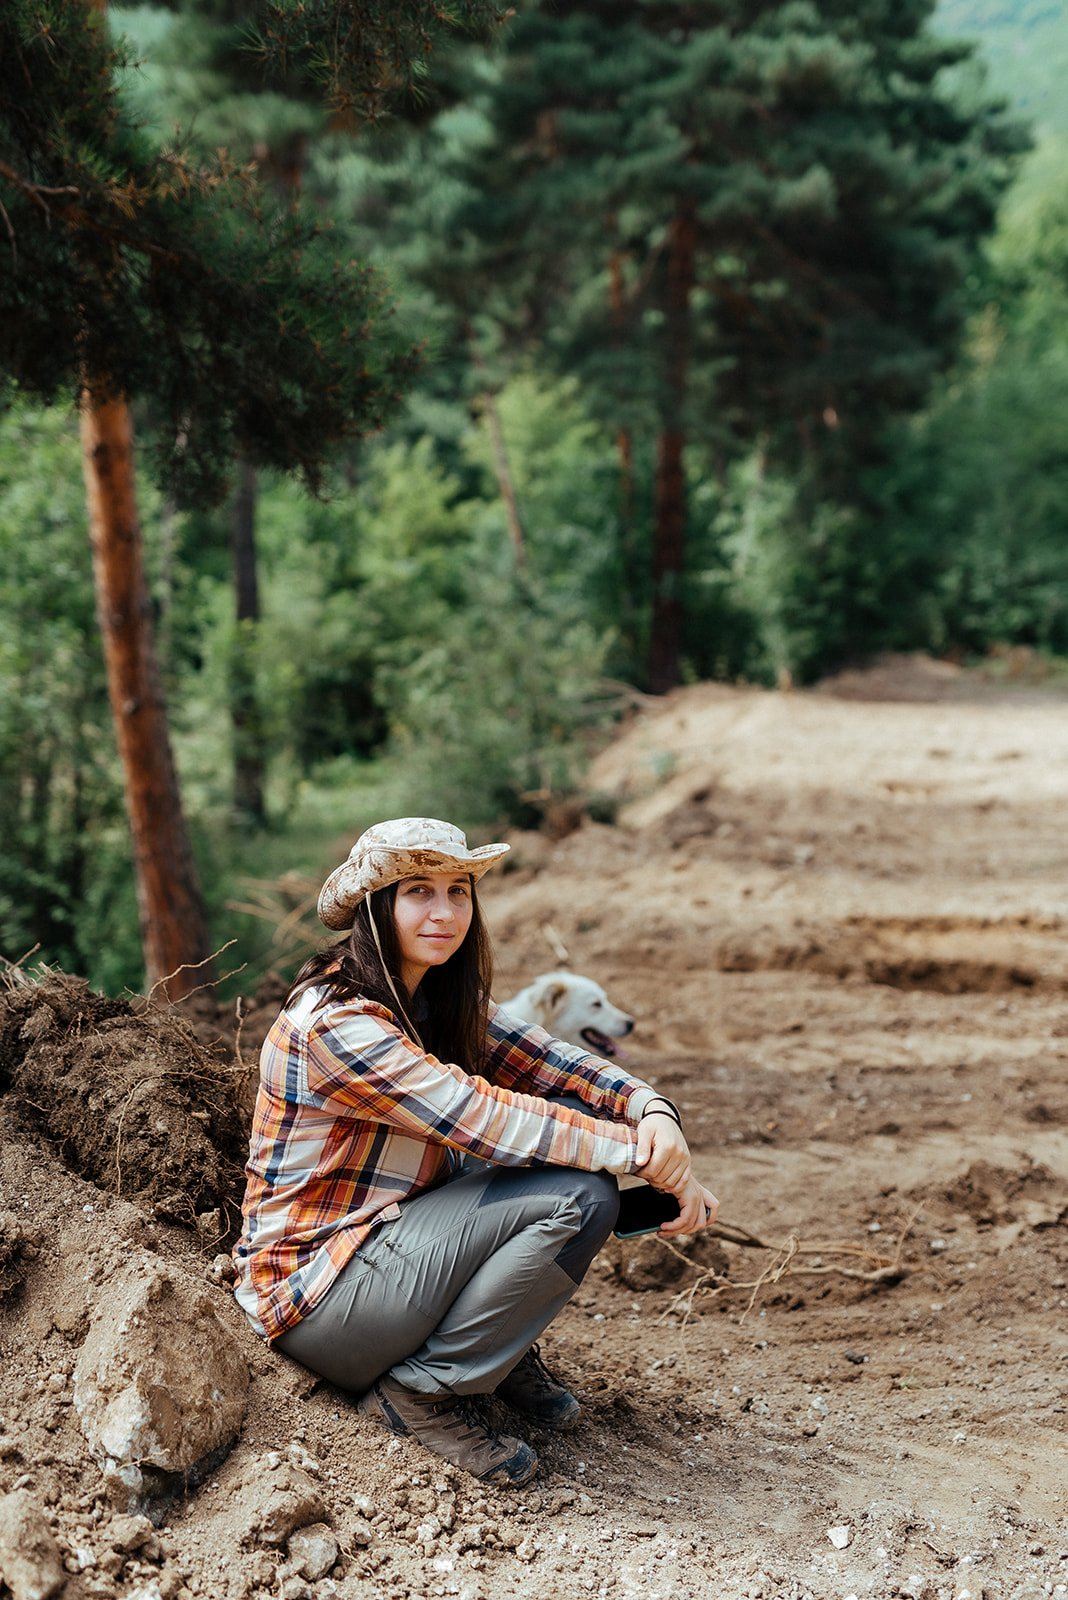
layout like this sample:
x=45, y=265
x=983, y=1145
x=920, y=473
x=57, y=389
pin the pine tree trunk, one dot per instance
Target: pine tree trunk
x=174, y=930
x=501, y=467
x=630, y=604
x=245, y=718
x=669, y=513
x=505, y=482
x=624, y=443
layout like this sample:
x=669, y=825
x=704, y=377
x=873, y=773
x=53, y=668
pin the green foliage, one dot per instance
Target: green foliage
x=843, y=165
x=236, y=319
x=363, y=55
x=979, y=488
x=838, y=193
x=59, y=795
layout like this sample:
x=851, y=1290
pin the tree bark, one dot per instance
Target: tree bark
x=504, y=481
x=174, y=929
x=669, y=513
x=624, y=443
x=246, y=721
x=632, y=563
x=501, y=466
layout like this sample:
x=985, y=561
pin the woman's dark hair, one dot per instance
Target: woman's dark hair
x=456, y=994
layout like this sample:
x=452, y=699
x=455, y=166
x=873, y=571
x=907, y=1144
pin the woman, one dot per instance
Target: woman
x=428, y=1180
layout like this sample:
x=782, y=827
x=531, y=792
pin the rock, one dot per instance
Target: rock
x=313, y=1551
x=132, y=1533
x=222, y=1270
x=160, y=1383
x=30, y=1563
x=283, y=1499
x=840, y=1536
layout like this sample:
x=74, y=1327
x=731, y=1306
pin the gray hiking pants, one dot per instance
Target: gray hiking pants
x=451, y=1294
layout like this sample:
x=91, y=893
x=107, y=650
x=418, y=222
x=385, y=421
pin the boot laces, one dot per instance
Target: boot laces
x=462, y=1417
x=536, y=1366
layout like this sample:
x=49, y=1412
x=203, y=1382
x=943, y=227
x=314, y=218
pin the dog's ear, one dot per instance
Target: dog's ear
x=554, y=997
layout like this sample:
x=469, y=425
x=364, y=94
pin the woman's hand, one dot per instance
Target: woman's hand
x=698, y=1207
x=663, y=1155
x=663, y=1159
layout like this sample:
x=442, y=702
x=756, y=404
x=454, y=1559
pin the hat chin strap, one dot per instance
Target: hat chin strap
x=392, y=986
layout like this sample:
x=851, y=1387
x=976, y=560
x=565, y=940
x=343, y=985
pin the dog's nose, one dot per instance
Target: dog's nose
x=628, y=1027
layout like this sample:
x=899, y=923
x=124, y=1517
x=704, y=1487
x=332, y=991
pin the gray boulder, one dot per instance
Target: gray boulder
x=160, y=1385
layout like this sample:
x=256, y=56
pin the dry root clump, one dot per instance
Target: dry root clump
x=792, y=1258
x=130, y=1098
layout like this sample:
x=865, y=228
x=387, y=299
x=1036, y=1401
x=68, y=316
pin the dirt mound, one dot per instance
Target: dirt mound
x=991, y=1194
x=129, y=1097
x=870, y=953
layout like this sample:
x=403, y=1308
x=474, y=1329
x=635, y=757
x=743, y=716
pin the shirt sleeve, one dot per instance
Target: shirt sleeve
x=362, y=1064
x=524, y=1057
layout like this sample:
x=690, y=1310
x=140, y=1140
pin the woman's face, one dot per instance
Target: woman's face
x=431, y=916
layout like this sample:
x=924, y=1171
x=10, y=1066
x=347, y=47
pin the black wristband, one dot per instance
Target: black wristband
x=661, y=1106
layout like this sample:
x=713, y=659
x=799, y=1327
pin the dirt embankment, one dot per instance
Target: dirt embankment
x=841, y=924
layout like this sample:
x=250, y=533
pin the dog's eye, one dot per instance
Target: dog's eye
x=597, y=1004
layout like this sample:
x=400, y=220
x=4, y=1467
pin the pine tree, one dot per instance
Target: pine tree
x=130, y=273
x=737, y=221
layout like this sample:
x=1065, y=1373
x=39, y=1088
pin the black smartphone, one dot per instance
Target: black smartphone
x=642, y=1210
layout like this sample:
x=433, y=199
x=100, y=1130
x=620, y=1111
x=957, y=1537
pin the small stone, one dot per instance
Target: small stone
x=285, y=1499
x=30, y=1563
x=261, y=1570
x=840, y=1536
x=819, y=1405
x=360, y=1533
x=313, y=1551
x=131, y=1533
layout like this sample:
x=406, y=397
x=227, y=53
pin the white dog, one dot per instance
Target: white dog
x=571, y=1008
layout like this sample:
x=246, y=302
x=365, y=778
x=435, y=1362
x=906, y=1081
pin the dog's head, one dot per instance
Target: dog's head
x=577, y=1010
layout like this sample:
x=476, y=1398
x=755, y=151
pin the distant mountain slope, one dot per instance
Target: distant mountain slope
x=1025, y=44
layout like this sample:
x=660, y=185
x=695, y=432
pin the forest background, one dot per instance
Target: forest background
x=701, y=342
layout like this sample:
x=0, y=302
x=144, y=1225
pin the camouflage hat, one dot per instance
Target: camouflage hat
x=406, y=847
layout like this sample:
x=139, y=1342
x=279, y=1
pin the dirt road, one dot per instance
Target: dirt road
x=840, y=921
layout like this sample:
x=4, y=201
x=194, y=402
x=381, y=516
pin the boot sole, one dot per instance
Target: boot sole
x=513, y=1473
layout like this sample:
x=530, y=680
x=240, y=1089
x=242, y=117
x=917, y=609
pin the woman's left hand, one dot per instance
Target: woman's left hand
x=663, y=1157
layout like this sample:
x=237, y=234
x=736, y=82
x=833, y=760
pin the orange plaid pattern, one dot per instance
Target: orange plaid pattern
x=352, y=1117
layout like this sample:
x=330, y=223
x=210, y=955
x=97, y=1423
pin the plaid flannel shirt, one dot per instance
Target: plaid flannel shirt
x=353, y=1116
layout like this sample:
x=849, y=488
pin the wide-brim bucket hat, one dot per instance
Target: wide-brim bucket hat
x=406, y=847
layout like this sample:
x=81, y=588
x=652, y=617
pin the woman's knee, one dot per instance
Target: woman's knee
x=596, y=1194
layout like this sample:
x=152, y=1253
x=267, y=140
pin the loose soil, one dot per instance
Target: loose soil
x=839, y=918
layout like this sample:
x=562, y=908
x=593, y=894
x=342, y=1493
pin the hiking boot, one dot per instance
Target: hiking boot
x=451, y=1427
x=532, y=1389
